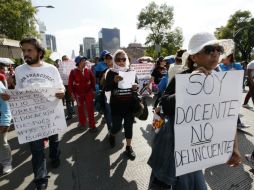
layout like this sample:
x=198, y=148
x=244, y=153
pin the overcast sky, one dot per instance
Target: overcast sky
x=71, y=20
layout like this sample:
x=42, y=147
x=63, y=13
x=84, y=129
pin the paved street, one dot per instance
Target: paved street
x=88, y=162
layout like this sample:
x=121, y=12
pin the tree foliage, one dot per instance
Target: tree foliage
x=158, y=20
x=17, y=19
x=240, y=28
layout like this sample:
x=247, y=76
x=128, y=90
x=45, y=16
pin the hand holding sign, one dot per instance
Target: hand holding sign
x=207, y=109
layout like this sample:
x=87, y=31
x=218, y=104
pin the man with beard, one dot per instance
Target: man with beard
x=33, y=74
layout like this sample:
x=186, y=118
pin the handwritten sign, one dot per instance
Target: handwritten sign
x=207, y=109
x=143, y=72
x=36, y=113
x=65, y=68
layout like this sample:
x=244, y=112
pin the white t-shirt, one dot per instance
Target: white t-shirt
x=46, y=75
x=251, y=66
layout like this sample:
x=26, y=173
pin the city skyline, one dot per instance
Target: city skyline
x=86, y=18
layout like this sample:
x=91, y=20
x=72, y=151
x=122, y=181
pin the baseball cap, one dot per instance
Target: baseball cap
x=78, y=59
x=104, y=53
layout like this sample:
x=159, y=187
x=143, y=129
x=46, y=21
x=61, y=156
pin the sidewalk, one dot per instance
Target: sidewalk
x=88, y=162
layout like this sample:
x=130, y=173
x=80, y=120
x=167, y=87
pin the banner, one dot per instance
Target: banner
x=64, y=69
x=206, y=113
x=36, y=113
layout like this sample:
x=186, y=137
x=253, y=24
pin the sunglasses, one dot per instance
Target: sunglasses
x=120, y=59
x=211, y=49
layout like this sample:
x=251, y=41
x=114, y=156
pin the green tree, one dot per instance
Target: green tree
x=17, y=19
x=158, y=20
x=240, y=28
x=47, y=55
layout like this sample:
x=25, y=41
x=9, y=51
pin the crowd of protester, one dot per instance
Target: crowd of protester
x=97, y=89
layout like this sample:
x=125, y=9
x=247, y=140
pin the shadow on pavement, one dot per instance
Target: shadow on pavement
x=224, y=177
x=148, y=134
x=21, y=169
x=86, y=162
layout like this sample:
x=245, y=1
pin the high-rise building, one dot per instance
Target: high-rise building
x=109, y=39
x=81, y=50
x=51, y=42
x=88, y=41
x=42, y=31
x=95, y=50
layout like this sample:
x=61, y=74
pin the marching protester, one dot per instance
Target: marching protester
x=121, y=100
x=177, y=67
x=158, y=72
x=67, y=96
x=33, y=74
x=81, y=87
x=204, y=52
x=98, y=70
x=106, y=95
x=164, y=81
x=228, y=64
x=5, y=122
x=250, y=94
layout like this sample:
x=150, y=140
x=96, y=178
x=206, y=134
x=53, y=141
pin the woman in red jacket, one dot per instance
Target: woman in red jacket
x=81, y=86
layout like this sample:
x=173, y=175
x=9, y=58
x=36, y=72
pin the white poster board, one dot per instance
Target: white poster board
x=64, y=69
x=207, y=109
x=128, y=79
x=36, y=113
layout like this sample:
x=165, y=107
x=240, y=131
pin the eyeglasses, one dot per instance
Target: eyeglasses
x=120, y=59
x=211, y=49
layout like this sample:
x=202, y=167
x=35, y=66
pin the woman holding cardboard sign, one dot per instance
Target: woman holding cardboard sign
x=204, y=53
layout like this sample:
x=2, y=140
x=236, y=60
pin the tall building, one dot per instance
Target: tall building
x=109, y=39
x=88, y=41
x=73, y=56
x=42, y=31
x=51, y=42
x=95, y=50
x=81, y=50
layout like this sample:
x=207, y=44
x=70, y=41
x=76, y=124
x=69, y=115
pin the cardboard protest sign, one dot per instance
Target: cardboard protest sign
x=64, y=69
x=36, y=113
x=206, y=113
x=143, y=72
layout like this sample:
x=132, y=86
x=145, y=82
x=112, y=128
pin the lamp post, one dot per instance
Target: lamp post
x=46, y=6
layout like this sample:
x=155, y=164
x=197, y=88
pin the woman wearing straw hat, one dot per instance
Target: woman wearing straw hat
x=204, y=53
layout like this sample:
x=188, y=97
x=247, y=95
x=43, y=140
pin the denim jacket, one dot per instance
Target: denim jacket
x=5, y=119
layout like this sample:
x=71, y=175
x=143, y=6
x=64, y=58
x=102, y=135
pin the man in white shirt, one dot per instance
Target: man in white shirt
x=33, y=74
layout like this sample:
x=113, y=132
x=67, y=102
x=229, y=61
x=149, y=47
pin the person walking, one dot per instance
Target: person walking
x=121, y=101
x=204, y=52
x=67, y=97
x=81, y=87
x=36, y=73
x=5, y=122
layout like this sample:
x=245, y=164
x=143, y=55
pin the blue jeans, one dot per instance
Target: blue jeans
x=69, y=102
x=107, y=113
x=39, y=160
